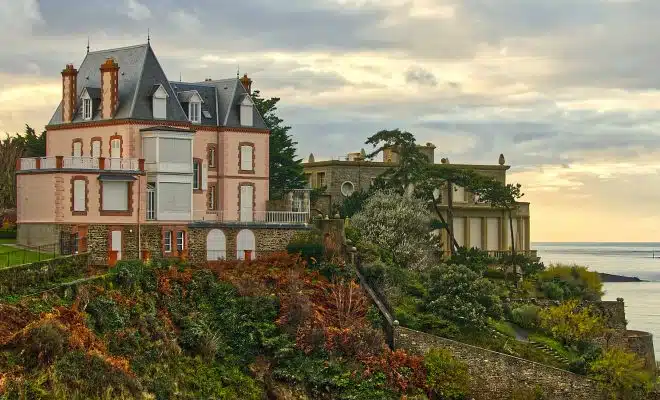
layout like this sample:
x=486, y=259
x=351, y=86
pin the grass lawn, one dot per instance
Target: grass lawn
x=10, y=255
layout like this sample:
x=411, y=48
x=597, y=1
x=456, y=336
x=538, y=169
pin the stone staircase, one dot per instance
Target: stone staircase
x=550, y=352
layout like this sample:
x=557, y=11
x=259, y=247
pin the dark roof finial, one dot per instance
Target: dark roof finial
x=148, y=36
x=238, y=71
x=87, y=44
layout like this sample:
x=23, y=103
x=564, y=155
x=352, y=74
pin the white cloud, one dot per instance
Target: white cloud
x=18, y=17
x=185, y=21
x=137, y=10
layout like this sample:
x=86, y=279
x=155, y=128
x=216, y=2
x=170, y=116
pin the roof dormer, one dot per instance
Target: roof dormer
x=159, y=101
x=246, y=111
x=194, y=101
x=90, y=98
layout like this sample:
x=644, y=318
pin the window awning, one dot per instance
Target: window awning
x=116, y=177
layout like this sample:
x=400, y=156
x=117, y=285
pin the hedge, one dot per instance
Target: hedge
x=28, y=278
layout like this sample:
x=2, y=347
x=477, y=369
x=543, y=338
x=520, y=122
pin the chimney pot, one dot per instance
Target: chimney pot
x=247, y=83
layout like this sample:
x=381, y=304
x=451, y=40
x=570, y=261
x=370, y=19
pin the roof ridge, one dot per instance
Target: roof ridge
x=139, y=81
x=119, y=48
x=231, y=101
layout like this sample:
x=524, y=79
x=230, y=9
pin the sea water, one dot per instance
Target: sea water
x=642, y=299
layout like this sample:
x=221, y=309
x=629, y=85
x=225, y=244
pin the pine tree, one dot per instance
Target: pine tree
x=286, y=170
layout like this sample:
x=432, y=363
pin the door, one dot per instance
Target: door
x=116, y=243
x=76, y=162
x=216, y=245
x=115, y=153
x=247, y=205
x=245, y=245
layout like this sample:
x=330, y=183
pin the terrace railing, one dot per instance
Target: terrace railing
x=260, y=217
x=78, y=163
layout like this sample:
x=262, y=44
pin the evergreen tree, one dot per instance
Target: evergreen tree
x=286, y=170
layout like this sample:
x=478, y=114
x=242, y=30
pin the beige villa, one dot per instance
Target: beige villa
x=137, y=165
x=475, y=224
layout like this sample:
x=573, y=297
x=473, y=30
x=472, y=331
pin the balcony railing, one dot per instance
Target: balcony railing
x=77, y=163
x=259, y=217
x=172, y=167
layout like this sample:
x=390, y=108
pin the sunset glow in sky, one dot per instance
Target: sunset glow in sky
x=567, y=90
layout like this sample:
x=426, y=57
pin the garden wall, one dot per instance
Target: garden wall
x=495, y=376
x=28, y=278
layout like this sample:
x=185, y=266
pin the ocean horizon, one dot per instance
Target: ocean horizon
x=634, y=259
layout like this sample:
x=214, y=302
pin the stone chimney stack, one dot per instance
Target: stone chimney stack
x=247, y=83
x=69, y=92
x=109, y=88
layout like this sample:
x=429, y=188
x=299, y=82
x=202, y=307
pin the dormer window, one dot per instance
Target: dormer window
x=86, y=105
x=195, y=112
x=247, y=112
x=159, y=99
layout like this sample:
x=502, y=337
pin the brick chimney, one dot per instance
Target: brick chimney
x=109, y=88
x=247, y=83
x=69, y=92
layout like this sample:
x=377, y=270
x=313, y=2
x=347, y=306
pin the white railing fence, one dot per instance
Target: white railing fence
x=48, y=162
x=80, y=162
x=268, y=217
x=28, y=163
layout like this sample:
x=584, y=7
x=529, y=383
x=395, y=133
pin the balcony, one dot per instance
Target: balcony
x=259, y=217
x=80, y=163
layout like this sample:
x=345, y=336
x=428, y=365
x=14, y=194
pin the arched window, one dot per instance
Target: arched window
x=216, y=245
x=245, y=242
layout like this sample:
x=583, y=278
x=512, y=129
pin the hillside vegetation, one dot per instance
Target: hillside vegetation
x=271, y=328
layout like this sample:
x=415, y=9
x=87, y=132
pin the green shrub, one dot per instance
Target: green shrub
x=8, y=233
x=526, y=393
x=526, y=316
x=43, y=344
x=351, y=233
x=622, y=374
x=570, y=323
x=91, y=376
x=309, y=245
x=563, y=282
x=475, y=259
x=447, y=378
x=106, y=315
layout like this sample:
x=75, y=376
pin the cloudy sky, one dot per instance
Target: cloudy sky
x=568, y=90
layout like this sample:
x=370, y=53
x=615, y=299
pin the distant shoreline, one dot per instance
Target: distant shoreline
x=609, y=278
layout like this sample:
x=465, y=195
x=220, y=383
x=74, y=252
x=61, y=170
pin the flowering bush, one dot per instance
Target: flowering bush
x=398, y=225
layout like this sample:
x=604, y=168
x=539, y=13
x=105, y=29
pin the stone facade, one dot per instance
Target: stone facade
x=267, y=239
x=97, y=244
x=495, y=376
x=151, y=239
x=641, y=343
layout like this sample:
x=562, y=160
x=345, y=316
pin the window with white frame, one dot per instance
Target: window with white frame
x=79, y=195
x=246, y=158
x=96, y=148
x=115, y=196
x=180, y=237
x=167, y=241
x=347, y=188
x=77, y=149
x=159, y=104
x=196, y=174
x=87, y=108
x=211, y=157
x=195, y=112
x=246, y=112
x=212, y=197
x=151, y=201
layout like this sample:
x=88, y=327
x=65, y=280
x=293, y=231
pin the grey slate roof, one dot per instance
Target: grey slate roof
x=140, y=74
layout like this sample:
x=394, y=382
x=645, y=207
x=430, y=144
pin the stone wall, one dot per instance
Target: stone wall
x=152, y=239
x=641, y=343
x=267, y=238
x=97, y=244
x=495, y=376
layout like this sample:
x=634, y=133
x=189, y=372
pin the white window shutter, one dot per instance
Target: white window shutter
x=246, y=158
x=77, y=149
x=205, y=176
x=79, y=195
x=247, y=209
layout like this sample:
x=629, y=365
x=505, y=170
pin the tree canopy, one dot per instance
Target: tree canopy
x=13, y=148
x=286, y=170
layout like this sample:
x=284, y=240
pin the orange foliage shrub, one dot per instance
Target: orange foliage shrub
x=173, y=274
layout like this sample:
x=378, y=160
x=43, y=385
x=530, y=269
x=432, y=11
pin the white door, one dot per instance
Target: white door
x=116, y=243
x=115, y=153
x=475, y=233
x=216, y=245
x=245, y=241
x=459, y=230
x=247, y=206
x=77, y=149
